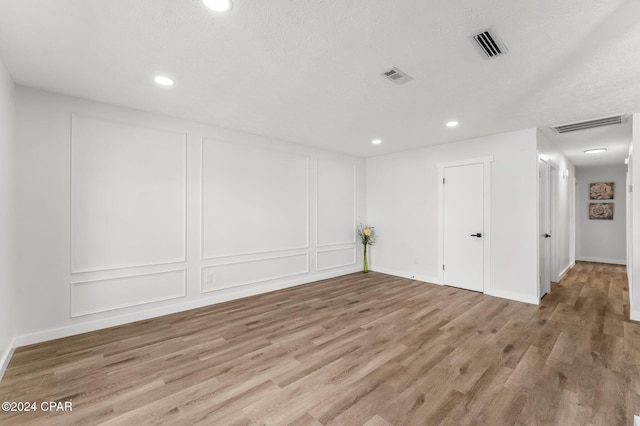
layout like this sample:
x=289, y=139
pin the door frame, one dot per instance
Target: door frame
x=548, y=213
x=486, y=162
x=554, y=212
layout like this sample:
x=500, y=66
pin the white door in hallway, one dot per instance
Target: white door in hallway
x=544, y=227
x=463, y=227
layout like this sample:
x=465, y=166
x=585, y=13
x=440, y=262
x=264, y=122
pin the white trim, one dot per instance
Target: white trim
x=409, y=275
x=307, y=245
x=486, y=162
x=634, y=315
x=5, y=359
x=477, y=160
x=277, y=277
x=75, y=271
x=554, y=217
x=600, y=260
x=129, y=304
x=123, y=267
x=565, y=271
x=518, y=297
x=352, y=248
x=59, y=332
x=355, y=196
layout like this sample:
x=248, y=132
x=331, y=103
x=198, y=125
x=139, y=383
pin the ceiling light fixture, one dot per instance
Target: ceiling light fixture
x=218, y=5
x=452, y=123
x=163, y=81
x=376, y=141
x=595, y=150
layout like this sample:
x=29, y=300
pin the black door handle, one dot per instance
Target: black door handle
x=547, y=235
x=479, y=235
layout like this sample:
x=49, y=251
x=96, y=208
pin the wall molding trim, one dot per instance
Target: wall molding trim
x=634, y=316
x=74, y=117
x=599, y=260
x=6, y=357
x=203, y=255
x=319, y=252
x=239, y=293
x=203, y=290
x=317, y=203
x=128, y=305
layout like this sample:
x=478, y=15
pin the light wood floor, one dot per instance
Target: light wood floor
x=361, y=349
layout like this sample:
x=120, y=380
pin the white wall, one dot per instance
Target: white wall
x=634, y=215
x=563, y=237
x=602, y=240
x=7, y=331
x=402, y=203
x=124, y=215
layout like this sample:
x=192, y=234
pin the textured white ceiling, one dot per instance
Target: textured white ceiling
x=615, y=139
x=308, y=71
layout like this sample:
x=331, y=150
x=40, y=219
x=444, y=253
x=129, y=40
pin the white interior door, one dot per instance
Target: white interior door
x=544, y=245
x=554, y=274
x=463, y=227
x=630, y=270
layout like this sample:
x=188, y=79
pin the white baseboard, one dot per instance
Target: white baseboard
x=635, y=315
x=565, y=270
x=432, y=280
x=209, y=299
x=518, y=297
x=6, y=357
x=410, y=275
x=599, y=260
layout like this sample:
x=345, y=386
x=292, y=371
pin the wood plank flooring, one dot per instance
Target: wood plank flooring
x=364, y=349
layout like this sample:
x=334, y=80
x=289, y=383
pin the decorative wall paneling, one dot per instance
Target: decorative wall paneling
x=254, y=200
x=234, y=274
x=128, y=196
x=336, y=203
x=90, y=297
x=335, y=258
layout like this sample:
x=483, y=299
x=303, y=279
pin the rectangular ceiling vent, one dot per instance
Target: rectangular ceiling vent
x=397, y=76
x=589, y=124
x=489, y=43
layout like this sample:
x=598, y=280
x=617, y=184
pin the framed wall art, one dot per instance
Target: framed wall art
x=601, y=191
x=602, y=211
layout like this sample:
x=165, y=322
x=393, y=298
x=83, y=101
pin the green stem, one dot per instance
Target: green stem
x=365, y=268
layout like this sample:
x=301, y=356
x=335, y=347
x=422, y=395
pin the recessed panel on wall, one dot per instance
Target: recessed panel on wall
x=128, y=187
x=235, y=274
x=336, y=202
x=335, y=258
x=105, y=295
x=253, y=200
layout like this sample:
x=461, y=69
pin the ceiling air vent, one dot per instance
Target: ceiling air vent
x=489, y=43
x=397, y=76
x=589, y=124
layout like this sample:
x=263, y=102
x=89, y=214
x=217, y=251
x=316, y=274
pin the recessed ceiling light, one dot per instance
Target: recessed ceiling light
x=376, y=141
x=218, y=5
x=163, y=81
x=595, y=150
x=452, y=123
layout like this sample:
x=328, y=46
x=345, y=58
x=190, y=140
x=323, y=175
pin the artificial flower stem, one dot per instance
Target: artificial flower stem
x=366, y=262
